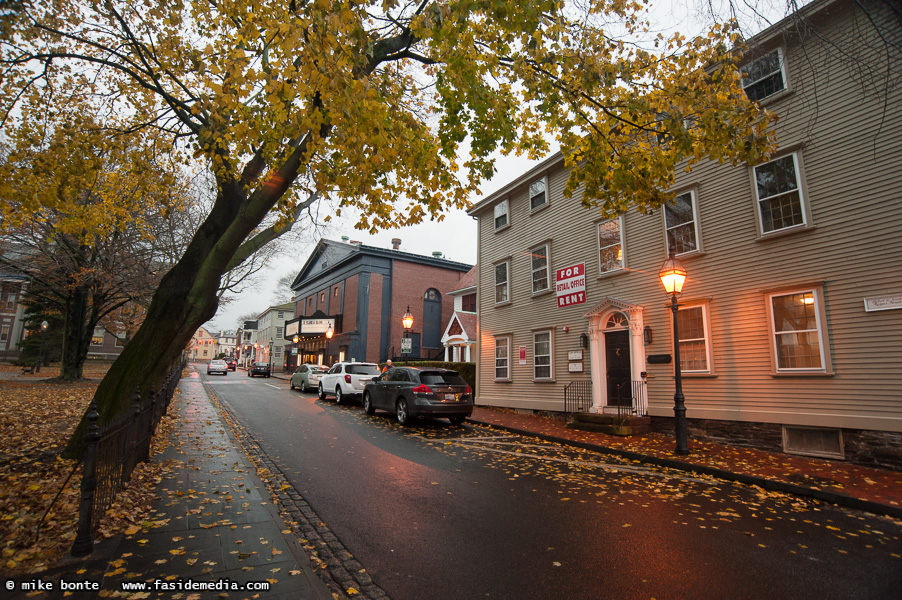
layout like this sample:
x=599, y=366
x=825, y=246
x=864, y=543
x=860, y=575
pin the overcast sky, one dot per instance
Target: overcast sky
x=455, y=237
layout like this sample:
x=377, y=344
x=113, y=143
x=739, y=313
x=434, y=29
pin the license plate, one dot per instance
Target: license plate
x=452, y=396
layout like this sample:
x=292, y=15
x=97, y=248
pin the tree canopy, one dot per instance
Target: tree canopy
x=396, y=108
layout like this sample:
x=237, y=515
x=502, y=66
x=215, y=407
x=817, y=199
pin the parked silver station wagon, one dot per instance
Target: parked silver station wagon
x=411, y=393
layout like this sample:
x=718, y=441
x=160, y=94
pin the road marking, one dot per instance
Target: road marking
x=278, y=387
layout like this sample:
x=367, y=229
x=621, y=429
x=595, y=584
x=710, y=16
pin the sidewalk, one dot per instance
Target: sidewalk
x=874, y=490
x=213, y=522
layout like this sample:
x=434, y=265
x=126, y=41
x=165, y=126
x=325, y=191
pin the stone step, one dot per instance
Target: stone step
x=610, y=424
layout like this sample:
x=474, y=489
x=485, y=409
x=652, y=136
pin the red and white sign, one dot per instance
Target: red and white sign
x=570, y=284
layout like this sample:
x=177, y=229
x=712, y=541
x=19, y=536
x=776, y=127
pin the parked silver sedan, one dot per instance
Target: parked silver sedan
x=217, y=366
x=306, y=377
x=412, y=393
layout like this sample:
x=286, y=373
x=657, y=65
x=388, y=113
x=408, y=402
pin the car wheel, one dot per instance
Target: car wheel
x=322, y=392
x=402, y=413
x=291, y=383
x=368, y=404
x=338, y=397
x=457, y=419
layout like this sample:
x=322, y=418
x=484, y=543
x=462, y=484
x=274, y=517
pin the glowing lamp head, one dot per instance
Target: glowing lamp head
x=329, y=333
x=407, y=319
x=295, y=339
x=673, y=275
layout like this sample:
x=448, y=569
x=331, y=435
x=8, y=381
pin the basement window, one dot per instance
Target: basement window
x=813, y=441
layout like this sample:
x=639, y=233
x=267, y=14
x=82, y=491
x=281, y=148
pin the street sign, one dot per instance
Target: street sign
x=406, y=345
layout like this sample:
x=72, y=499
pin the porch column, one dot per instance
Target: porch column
x=596, y=367
x=446, y=351
x=467, y=352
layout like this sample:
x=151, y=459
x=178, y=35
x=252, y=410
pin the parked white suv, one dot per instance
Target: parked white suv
x=346, y=379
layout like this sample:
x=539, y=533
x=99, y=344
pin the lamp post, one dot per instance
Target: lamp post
x=269, y=356
x=37, y=367
x=673, y=276
x=407, y=322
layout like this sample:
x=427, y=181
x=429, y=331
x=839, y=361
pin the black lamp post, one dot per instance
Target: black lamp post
x=407, y=322
x=37, y=367
x=673, y=276
x=269, y=356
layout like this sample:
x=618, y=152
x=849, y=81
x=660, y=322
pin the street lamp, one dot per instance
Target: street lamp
x=37, y=367
x=407, y=322
x=269, y=355
x=673, y=276
x=329, y=333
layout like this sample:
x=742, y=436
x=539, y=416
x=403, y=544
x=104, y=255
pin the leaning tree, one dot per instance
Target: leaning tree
x=394, y=108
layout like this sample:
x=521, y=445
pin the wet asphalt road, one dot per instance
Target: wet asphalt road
x=441, y=512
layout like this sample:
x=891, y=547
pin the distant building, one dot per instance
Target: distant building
x=204, y=346
x=361, y=293
x=12, y=315
x=462, y=332
x=227, y=341
x=270, y=333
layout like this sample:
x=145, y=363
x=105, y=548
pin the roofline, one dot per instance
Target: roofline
x=503, y=191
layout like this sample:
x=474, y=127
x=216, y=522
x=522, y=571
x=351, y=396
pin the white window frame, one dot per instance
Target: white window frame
x=598, y=226
x=4, y=333
x=506, y=283
x=95, y=335
x=532, y=196
x=695, y=228
x=503, y=341
x=502, y=209
x=709, y=355
x=819, y=330
x=11, y=300
x=547, y=268
x=536, y=355
x=747, y=83
x=796, y=165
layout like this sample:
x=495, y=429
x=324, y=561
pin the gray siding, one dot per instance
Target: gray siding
x=849, y=147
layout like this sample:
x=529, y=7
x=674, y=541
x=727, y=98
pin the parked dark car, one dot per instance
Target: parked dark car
x=232, y=363
x=411, y=393
x=259, y=368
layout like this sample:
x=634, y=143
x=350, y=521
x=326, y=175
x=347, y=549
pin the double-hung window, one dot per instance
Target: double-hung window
x=97, y=338
x=502, y=282
x=681, y=224
x=501, y=214
x=502, y=357
x=541, y=355
x=695, y=346
x=797, y=331
x=4, y=333
x=468, y=303
x=538, y=194
x=610, y=246
x=540, y=269
x=780, y=201
x=764, y=77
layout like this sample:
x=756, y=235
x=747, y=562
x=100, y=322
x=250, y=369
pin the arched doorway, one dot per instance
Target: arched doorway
x=432, y=319
x=617, y=357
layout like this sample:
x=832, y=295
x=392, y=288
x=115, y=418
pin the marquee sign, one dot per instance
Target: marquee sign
x=317, y=325
x=570, y=283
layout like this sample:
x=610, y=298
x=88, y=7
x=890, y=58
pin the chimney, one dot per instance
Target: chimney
x=396, y=243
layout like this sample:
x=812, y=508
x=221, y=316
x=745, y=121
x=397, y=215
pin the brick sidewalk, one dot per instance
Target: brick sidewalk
x=845, y=484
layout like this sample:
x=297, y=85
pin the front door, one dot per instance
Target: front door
x=617, y=362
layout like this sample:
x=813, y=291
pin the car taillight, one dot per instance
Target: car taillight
x=469, y=389
x=347, y=379
x=422, y=389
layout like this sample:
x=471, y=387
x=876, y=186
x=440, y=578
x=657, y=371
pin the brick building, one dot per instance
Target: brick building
x=12, y=325
x=361, y=293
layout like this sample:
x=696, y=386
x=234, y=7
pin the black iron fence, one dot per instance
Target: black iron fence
x=113, y=450
x=633, y=399
x=578, y=396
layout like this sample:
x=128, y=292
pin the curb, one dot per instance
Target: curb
x=773, y=485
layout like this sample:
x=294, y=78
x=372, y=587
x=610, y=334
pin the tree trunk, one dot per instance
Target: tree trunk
x=75, y=338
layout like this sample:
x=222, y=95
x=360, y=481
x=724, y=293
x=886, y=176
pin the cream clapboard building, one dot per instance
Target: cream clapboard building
x=791, y=318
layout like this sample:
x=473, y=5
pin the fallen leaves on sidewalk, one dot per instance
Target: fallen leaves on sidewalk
x=36, y=420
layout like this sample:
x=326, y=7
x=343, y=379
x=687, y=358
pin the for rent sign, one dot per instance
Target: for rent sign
x=570, y=284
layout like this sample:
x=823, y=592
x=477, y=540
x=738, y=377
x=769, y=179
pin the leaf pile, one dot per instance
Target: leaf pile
x=36, y=420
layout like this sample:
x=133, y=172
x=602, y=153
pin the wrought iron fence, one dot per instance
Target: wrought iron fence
x=578, y=396
x=112, y=452
x=637, y=401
